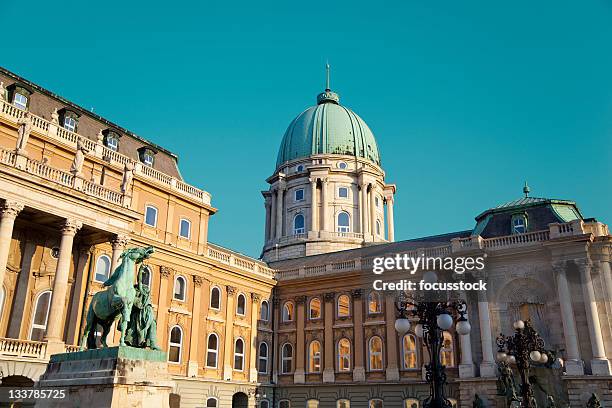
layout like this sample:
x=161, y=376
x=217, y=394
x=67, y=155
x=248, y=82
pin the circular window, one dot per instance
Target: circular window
x=55, y=252
x=342, y=165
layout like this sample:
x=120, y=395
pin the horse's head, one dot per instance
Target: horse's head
x=138, y=254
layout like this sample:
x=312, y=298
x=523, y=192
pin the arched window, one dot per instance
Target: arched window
x=343, y=222
x=239, y=354
x=344, y=355
x=287, y=358
x=374, y=305
x=375, y=403
x=241, y=305
x=212, y=350
x=176, y=344
x=314, y=357
x=344, y=306
x=262, y=366
x=446, y=352
x=343, y=403
x=212, y=402
x=298, y=224
x=314, y=309
x=264, y=404
x=103, y=266
x=284, y=404
x=411, y=403
x=375, y=348
x=409, y=351
x=146, y=277
x=40, y=316
x=288, y=312
x=378, y=228
x=264, y=313
x=150, y=216
x=215, y=298
x=185, y=228
x=180, y=286
x=312, y=403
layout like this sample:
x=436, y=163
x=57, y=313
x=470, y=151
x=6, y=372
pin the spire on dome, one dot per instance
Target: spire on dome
x=328, y=96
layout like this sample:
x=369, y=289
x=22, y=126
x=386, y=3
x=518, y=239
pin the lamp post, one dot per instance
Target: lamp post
x=433, y=319
x=520, y=349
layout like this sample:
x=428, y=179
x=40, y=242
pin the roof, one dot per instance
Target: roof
x=525, y=202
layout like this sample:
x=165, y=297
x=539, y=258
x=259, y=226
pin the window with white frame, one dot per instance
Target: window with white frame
x=20, y=101
x=519, y=224
x=40, y=316
x=298, y=224
x=212, y=350
x=212, y=402
x=375, y=348
x=262, y=362
x=344, y=222
x=180, y=288
x=343, y=403
x=264, y=313
x=103, y=266
x=314, y=357
x=409, y=351
x=185, y=228
x=342, y=165
x=377, y=202
x=299, y=194
x=111, y=140
x=288, y=312
x=150, y=216
x=239, y=354
x=447, y=356
x=344, y=306
x=312, y=403
x=343, y=192
x=375, y=403
x=287, y=358
x=215, y=298
x=314, y=309
x=175, y=344
x=411, y=403
x=344, y=355
x=241, y=305
x=70, y=123
x=284, y=404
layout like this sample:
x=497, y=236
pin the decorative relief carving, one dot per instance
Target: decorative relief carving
x=329, y=296
x=256, y=297
x=71, y=226
x=165, y=271
x=230, y=290
x=300, y=300
x=120, y=241
x=357, y=293
x=197, y=280
x=10, y=209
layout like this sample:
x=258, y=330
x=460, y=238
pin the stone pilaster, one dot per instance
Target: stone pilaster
x=280, y=192
x=228, y=350
x=363, y=209
x=392, y=340
x=299, y=376
x=255, y=302
x=390, y=220
x=324, y=205
x=313, y=204
x=359, y=369
x=466, y=367
x=192, y=365
x=329, y=370
x=162, y=308
x=488, y=368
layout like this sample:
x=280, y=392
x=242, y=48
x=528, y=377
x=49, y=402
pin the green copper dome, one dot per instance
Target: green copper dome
x=328, y=128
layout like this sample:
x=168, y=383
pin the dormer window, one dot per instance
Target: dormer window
x=20, y=101
x=147, y=156
x=19, y=96
x=519, y=224
x=111, y=139
x=299, y=168
x=69, y=119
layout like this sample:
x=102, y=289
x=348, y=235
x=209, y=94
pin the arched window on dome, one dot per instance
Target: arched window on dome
x=344, y=222
x=298, y=224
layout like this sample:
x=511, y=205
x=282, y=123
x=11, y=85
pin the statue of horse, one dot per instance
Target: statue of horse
x=116, y=301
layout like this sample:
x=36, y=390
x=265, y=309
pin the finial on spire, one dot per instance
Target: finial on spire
x=526, y=190
x=327, y=88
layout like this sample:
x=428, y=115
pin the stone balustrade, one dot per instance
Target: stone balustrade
x=65, y=137
x=238, y=261
x=22, y=348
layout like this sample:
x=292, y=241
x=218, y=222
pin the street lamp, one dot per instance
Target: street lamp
x=433, y=319
x=521, y=349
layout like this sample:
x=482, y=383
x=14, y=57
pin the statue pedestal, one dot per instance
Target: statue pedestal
x=109, y=377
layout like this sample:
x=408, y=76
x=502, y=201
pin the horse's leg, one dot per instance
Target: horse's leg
x=125, y=319
x=105, y=330
x=91, y=339
x=88, y=326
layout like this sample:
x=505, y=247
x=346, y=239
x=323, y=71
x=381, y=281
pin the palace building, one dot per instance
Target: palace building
x=302, y=327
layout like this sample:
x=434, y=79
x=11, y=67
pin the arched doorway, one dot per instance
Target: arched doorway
x=240, y=400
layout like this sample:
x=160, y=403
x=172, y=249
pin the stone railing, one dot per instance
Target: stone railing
x=238, y=261
x=515, y=240
x=22, y=348
x=66, y=137
x=70, y=348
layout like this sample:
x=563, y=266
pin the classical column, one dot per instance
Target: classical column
x=324, y=204
x=192, y=365
x=363, y=209
x=573, y=364
x=392, y=339
x=8, y=213
x=162, y=305
x=228, y=350
x=313, y=204
x=466, y=368
x=279, y=212
x=76, y=297
x=328, y=339
x=119, y=242
x=373, y=211
x=299, y=376
x=358, y=343
x=390, y=222
x=21, y=293
x=267, y=225
x=55, y=326
x=600, y=364
x=488, y=368
x=272, y=224
x=256, y=298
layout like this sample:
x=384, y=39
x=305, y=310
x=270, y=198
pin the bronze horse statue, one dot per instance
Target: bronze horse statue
x=116, y=301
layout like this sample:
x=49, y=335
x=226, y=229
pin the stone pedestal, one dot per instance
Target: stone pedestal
x=111, y=377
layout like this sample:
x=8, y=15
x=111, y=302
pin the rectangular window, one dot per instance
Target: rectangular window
x=20, y=101
x=343, y=192
x=151, y=216
x=185, y=228
x=299, y=194
x=112, y=143
x=147, y=159
x=69, y=124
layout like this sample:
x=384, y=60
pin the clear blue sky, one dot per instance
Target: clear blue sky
x=466, y=98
